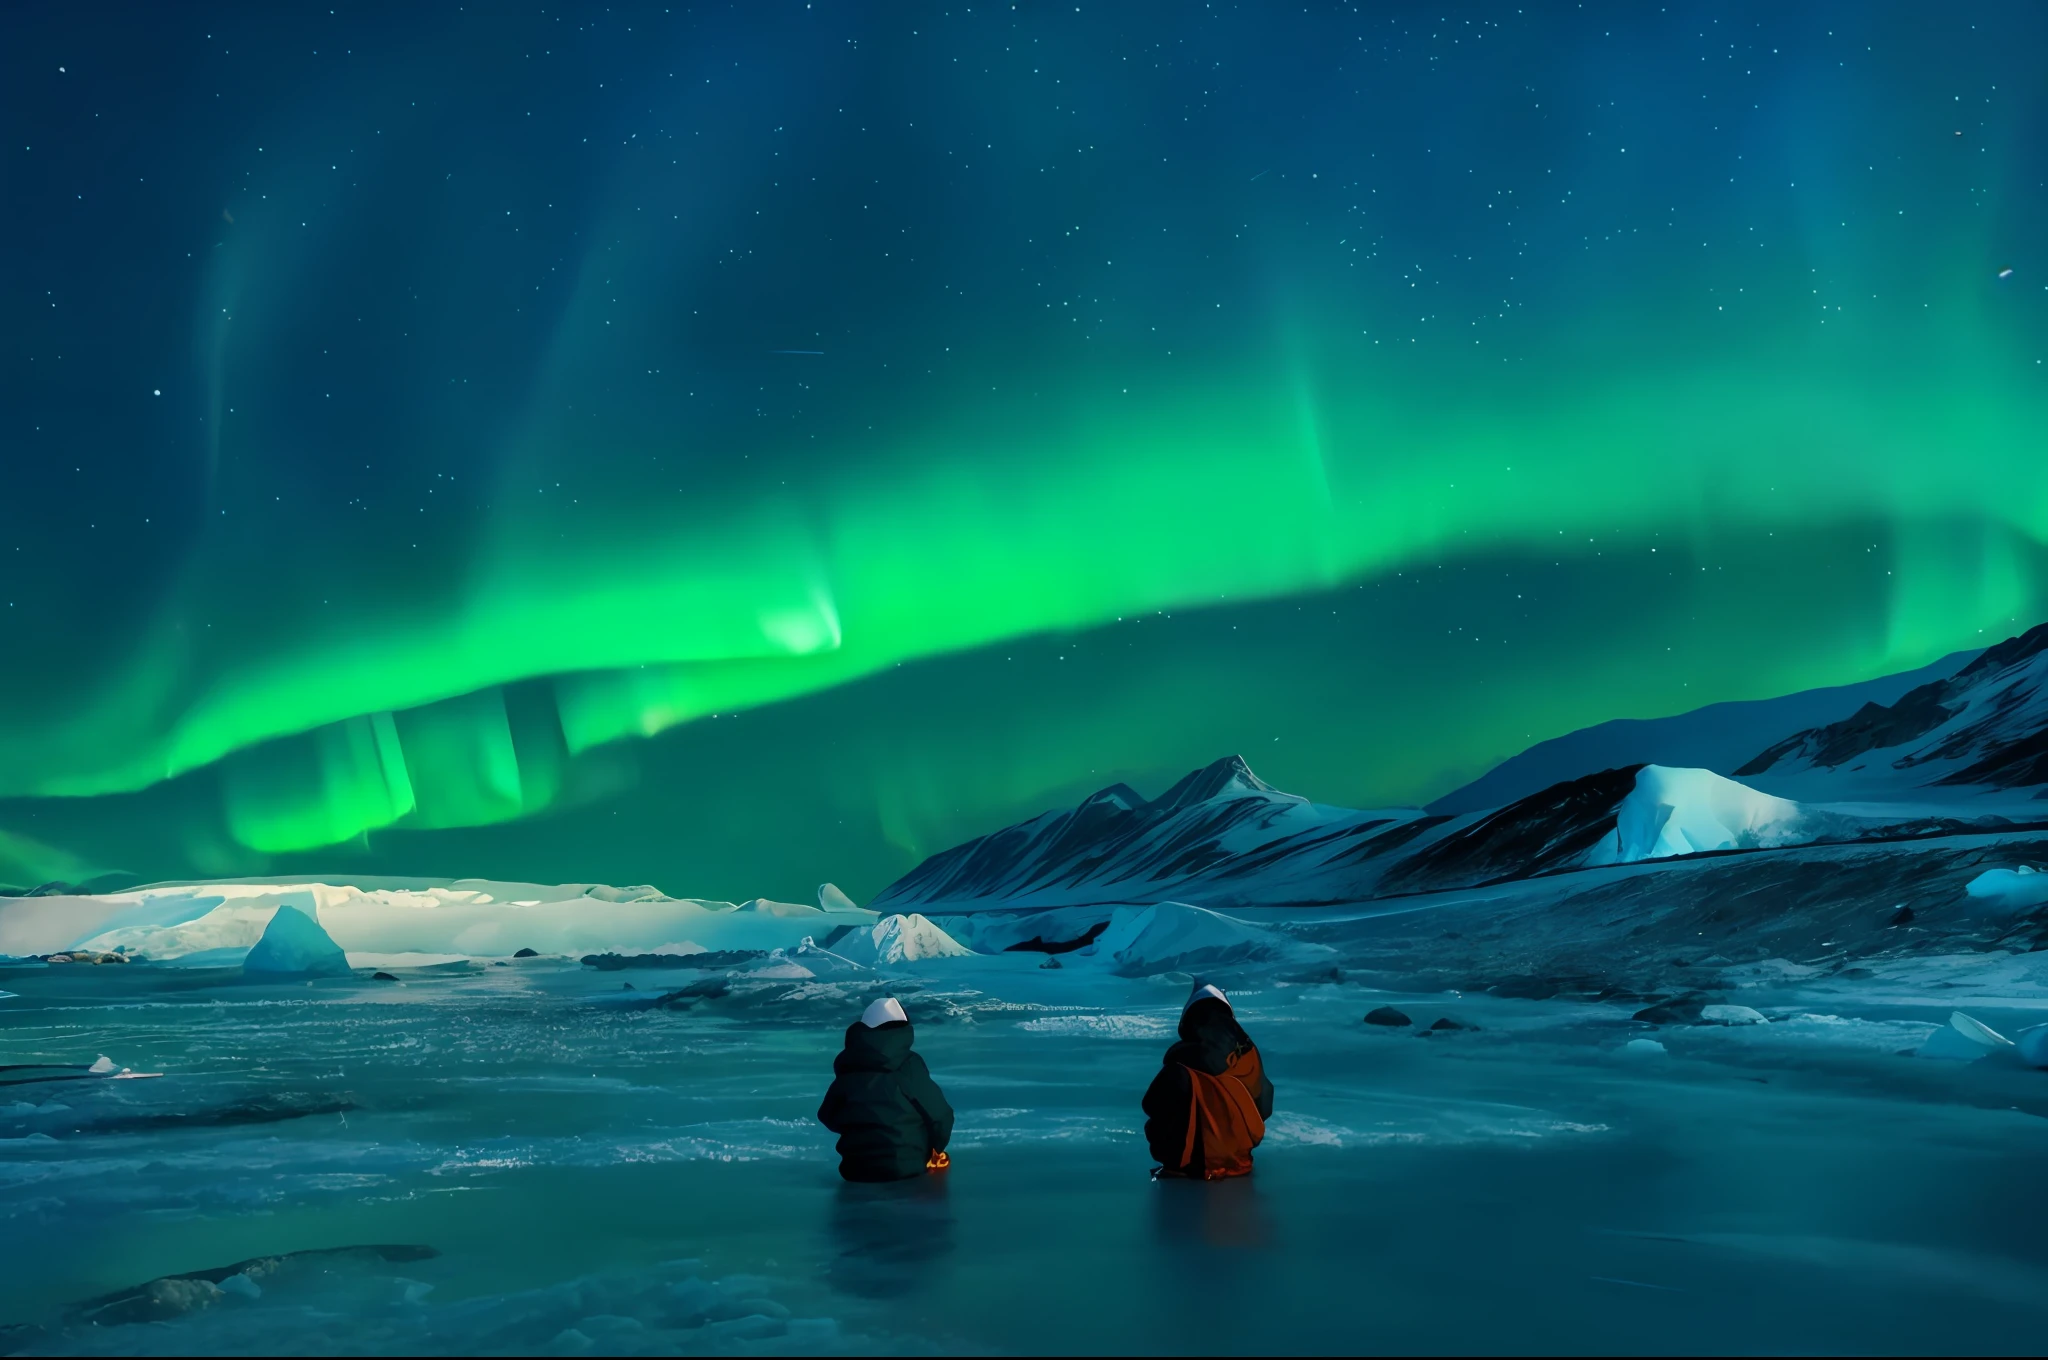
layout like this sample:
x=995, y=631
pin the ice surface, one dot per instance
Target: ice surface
x=293, y=943
x=601, y=1170
x=2032, y=1043
x=464, y=1108
x=1732, y=1015
x=900, y=939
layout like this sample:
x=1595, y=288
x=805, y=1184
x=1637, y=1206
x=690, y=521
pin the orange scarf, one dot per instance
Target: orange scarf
x=1228, y=1115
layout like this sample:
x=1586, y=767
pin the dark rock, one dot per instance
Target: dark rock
x=499, y=963
x=703, y=989
x=628, y=987
x=711, y=958
x=263, y=1109
x=1447, y=1023
x=1679, y=1010
x=381, y=976
x=86, y=956
x=526, y=954
x=1387, y=1015
x=1039, y=944
x=1051, y=962
x=174, y=1296
x=1901, y=916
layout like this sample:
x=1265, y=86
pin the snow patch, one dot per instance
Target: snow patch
x=1732, y=1015
x=1102, y=1026
x=1174, y=935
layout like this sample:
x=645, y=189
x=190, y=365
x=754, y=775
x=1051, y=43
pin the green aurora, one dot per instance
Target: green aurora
x=737, y=487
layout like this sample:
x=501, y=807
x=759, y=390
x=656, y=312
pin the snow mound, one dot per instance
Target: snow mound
x=1963, y=1039
x=901, y=939
x=2010, y=890
x=830, y=898
x=293, y=944
x=1732, y=1015
x=209, y=923
x=2032, y=1043
x=1683, y=812
x=1173, y=935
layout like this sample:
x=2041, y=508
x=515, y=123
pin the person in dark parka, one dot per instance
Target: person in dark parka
x=1207, y=1109
x=892, y=1120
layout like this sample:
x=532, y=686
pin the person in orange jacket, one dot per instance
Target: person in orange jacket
x=1207, y=1109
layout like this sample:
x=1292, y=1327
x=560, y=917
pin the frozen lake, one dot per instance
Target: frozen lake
x=595, y=1175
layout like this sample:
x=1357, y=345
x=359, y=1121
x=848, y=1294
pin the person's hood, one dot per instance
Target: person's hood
x=1208, y=1020
x=883, y=1012
x=875, y=1048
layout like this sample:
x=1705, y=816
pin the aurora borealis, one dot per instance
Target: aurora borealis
x=734, y=447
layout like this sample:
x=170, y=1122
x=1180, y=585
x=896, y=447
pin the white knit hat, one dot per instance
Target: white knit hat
x=883, y=1012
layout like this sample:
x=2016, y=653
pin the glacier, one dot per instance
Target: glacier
x=215, y=923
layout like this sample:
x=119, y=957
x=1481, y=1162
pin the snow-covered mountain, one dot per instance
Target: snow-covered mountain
x=1985, y=728
x=1223, y=837
x=1719, y=737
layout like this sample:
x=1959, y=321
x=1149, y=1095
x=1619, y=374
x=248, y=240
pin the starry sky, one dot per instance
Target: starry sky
x=736, y=446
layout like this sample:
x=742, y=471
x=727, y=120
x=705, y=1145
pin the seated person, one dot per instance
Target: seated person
x=892, y=1120
x=1207, y=1109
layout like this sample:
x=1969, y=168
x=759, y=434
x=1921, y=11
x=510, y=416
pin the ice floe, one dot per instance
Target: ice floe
x=1963, y=1039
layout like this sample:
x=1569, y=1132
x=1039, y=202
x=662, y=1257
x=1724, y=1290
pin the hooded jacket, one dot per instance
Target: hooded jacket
x=1198, y=1109
x=888, y=1112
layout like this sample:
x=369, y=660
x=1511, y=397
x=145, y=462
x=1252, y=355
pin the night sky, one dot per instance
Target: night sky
x=732, y=447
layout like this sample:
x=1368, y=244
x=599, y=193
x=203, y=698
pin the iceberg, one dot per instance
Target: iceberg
x=294, y=945
x=1683, y=812
x=2010, y=891
x=1963, y=1039
x=900, y=939
x=1732, y=1015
